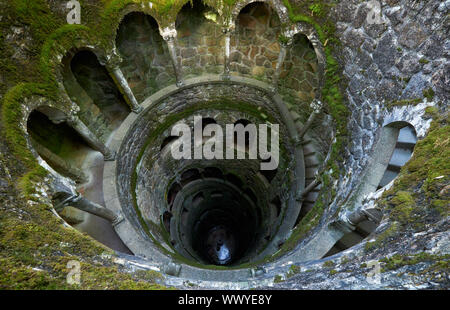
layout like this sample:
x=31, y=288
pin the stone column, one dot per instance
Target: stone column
x=125, y=88
x=169, y=35
x=79, y=202
x=57, y=162
x=226, y=69
x=309, y=188
x=280, y=61
x=112, y=65
x=90, y=137
x=316, y=105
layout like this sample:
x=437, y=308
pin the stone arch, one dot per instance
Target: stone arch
x=53, y=141
x=90, y=85
x=120, y=11
x=55, y=50
x=299, y=72
x=309, y=31
x=380, y=160
x=363, y=223
x=406, y=139
x=274, y=4
x=146, y=62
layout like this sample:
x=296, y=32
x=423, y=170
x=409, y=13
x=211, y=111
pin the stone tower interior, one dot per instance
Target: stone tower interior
x=359, y=93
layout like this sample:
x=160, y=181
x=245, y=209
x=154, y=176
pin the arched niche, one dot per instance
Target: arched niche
x=146, y=62
x=57, y=143
x=200, y=39
x=393, y=149
x=299, y=74
x=255, y=42
x=402, y=152
x=89, y=84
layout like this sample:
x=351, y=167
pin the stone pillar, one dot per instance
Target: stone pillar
x=112, y=65
x=125, y=88
x=309, y=188
x=79, y=202
x=226, y=69
x=358, y=216
x=280, y=61
x=169, y=35
x=57, y=162
x=90, y=137
x=316, y=105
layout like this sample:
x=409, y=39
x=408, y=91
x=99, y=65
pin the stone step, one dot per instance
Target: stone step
x=312, y=196
x=310, y=172
x=407, y=135
x=306, y=207
x=295, y=116
x=312, y=166
x=311, y=161
x=405, y=145
x=306, y=141
x=394, y=167
x=310, y=153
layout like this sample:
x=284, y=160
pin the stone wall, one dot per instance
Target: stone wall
x=298, y=77
x=200, y=40
x=393, y=69
x=390, y=61
x=146, y=61
x=254, y=44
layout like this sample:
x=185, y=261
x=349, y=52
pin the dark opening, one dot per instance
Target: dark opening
x=212, y=172
x=277, y=203
x=224, y=230
x=166, y=220
x=168, y=140
x=99, y=85
x=173, y=191
x=189, y=176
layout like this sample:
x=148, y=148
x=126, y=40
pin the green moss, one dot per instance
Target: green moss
x=331, y=92
x=432, y=112
x=328, y=264
x=397, y=261
x=441, y=206
x=317, y=9
x=34, y=255
x=333, y=272
x=283, y=39
x=415, y=199
x=278, y=279
x=166, y=7
x=423, y=60
x=402, y=206
x=403, y=102
x=429, y=164
x=230, y=2
x=38, y=16
x=429, y=94
x=384, y=236
x=13, y=114
x=65, y=38
x=293, y=270
x=306, y=224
